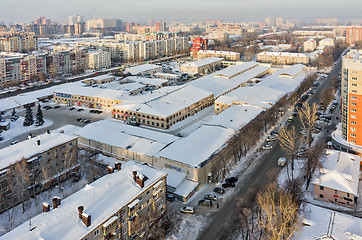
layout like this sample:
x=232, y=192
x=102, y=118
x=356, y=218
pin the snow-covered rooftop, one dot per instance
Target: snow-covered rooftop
x=340, y=172
x=29, y=148
x=203, y=62
x=218, y=52
x=283, y=54
x=208, y=139
x=174, y=178
x=235, y=117
x=229, y=78
x=101, y=200
x=135, y=139
x=142, y=68
x=94, y=92
x=258, y=96
x=318, y=225
x=169, y=103
x=148, y=81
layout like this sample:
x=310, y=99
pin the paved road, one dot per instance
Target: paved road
x=248, y=184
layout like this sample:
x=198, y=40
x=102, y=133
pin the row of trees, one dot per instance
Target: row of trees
x=28, y=120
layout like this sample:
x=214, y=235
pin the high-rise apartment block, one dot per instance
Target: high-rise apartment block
x=352, y=97
x=353, y=34
x=18, y=42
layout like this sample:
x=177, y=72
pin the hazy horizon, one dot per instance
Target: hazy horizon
x=186, y=10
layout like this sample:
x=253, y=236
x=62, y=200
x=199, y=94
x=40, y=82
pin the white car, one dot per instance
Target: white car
x=271, y=138
x=187, y=209
x=282, y=161
x=267, y=147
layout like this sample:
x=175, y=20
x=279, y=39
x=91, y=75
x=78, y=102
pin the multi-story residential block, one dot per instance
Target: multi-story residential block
x=228, y=56
x=329, y=42
x=353, y=34
x=120, y=205
x=202, y=66
x=98, y=60
x=33, y=165
x=22, y=42
x=310, y=45
x=338, y=181
x=282, y=58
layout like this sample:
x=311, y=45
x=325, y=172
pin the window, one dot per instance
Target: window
x=354, y=91
x=353, y=141
x=353, y=97
x=354, y=84
x=320, y=195
x=335, y=192
x=353, y=116
x=140, y=198
x=96, y=232
x=353, y=135
x=347, y=194
x=353, y=103
x=321, y=187
x=353, y=110
x=148, y=193
x=352, y=122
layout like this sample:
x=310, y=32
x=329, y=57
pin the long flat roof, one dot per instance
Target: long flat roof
x=203, y=62
x=141, y=68
x=135, y=139
x=167, y=104
x=28, y=148
x=101, y=200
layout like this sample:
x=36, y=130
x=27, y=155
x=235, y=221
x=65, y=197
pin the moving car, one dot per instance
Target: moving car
x=187, y=209
x=271, y=138
x=282, y=161
x=267, y=147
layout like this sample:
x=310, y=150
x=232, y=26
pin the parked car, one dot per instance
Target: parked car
x=56, y=107
x=219, y=190
x=282, y=161
x=267, y=147
x=170, y=197
x=231, y=179
x=14, y=142
x=228, y=184
x=72, y=108
x=187, y=209
x=274, y=133
x=271, y=138
x=205, y=203
x=290, y=119
x=210, y=197
x=80, y=109
x=91, y=111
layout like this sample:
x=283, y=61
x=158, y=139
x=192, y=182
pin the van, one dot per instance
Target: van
x=282, y=161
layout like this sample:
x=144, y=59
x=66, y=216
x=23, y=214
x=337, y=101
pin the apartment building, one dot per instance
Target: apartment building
x=353, y=34
x=202, y=66
x=135, y=198
x=22, y=42
x=165, y=110
x=351, y=97
x=329, y=42
x=338, y=180
x=98, y=60
x=310, y=45
x=282, y=58
x=228, y=56
x=36, y=164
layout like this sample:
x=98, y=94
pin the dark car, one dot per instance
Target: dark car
x=228, y=184
x=170, y=197
x=231, y=179
x=206, y=203
x=55, y=107
x=79, y=119
x=72, y=108
x=219, y=190
x=92, y=111
x=80, y=109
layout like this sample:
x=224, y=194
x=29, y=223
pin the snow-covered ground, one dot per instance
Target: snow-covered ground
x=17, y=128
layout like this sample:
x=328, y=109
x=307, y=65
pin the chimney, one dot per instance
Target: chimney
x=46, y=207
x=134, y=175
x=118, y=165
x=80, y=211
x=38, y=142
x=86, y=219
x=56, y=202
x=30, y=136
x=110, y=169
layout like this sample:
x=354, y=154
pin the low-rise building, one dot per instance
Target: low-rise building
x=338, y=179
x=329, y=42
x=145, y=69
x=202, y=66
x=165, y=110
x=310, y=45
x=120, y=205
x=227, y=55
x=282, y=58
x=99, y=80
x=44, y=159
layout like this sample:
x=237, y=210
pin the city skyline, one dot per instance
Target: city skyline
x=141, y=10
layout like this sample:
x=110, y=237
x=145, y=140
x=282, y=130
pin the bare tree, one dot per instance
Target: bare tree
x=288, y=142
x=326, y=96
x=22, y=180
x=313, y=160
x=308, y=118
x=278, y=213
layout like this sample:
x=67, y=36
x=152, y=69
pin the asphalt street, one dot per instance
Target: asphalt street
x=258, y=177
